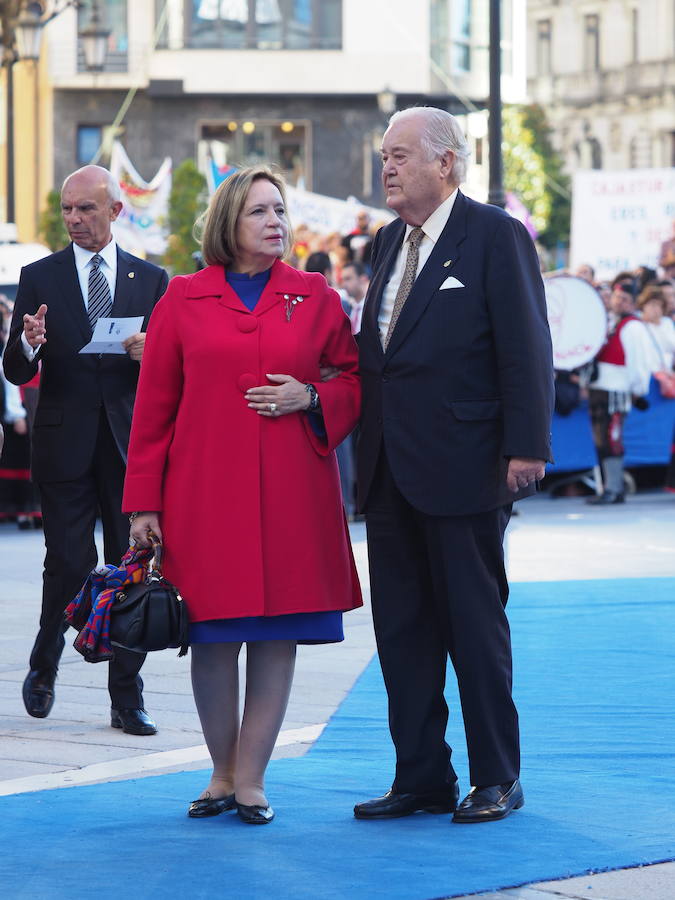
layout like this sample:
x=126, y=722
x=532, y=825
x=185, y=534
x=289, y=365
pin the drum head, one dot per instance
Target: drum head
x=577, y=319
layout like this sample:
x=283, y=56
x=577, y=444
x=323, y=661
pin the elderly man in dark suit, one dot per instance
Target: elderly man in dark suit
x=83, y=419
x=457, y=380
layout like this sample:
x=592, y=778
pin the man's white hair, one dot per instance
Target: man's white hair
x=111, y=183
x=441, y=133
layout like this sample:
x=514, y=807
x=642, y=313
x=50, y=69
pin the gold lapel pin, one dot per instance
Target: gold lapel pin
x=131, y=274
x=447, y=263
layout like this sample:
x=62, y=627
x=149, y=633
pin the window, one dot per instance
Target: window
x=461, y=36
x=592, y=43
x=114, y=18
x=641, y=152
x=544, y=47
x=88, y=142
x=253, y=24
x=248, y=143
x=478, y=151
x=635, y=34
x=438, y=33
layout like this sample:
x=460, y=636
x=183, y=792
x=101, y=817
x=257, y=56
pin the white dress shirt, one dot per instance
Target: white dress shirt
x=108, y=267
x=356, y=315
x=661, y=344
x=83, y=260
x=635, y=375
x=432, y=228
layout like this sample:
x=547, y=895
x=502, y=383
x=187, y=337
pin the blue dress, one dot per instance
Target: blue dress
x=305, y=628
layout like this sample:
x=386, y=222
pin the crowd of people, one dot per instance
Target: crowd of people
x=639, y=348
x=218, y=427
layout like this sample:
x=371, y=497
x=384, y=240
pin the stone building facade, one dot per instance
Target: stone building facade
x=604, y=70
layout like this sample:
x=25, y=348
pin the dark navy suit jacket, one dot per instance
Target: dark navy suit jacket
x=467, y=378
x=73, y=386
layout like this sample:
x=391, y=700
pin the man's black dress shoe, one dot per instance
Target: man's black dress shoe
x=487, y=804
x=210, y=806
x=255, y=815
x=38, y=693
x=394, y=805
x=607, y=498
x=132, y=721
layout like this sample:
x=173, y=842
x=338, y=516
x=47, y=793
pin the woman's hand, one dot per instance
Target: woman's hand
x=288, y=395
x=142, y=525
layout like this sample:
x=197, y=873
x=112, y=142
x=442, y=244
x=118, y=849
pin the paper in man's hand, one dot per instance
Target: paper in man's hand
x=110, y=333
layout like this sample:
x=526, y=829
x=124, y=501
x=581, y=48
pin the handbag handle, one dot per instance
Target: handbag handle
x=157, y=560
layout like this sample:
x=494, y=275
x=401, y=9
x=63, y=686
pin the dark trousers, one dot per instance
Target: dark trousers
x=438, y=588
x=607, y=427
x=69, y=510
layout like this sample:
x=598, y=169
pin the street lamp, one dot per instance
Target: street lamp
x=386, y=101
x=28, y=33
x=21, y=24
x=94, y=39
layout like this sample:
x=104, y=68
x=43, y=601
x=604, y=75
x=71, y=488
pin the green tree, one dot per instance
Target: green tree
x=534, y=171
x=558, y=184
x=50, y=226
x=187, y=201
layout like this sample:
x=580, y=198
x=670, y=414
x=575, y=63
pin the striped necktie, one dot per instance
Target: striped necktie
x=99, y=300
x=407, y=281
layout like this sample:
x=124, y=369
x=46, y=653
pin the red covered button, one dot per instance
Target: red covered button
x=247, y=324
x=246, y=381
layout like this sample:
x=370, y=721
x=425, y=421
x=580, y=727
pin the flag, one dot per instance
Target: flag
x=142, y=226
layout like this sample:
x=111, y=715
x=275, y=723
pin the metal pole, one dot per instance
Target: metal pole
x=496, y=194
x=10, y=141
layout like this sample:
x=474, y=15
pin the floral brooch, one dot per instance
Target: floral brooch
x=289, y=305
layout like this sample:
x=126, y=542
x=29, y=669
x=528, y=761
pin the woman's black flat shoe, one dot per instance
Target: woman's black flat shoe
x=210, y=806
x=255, y=815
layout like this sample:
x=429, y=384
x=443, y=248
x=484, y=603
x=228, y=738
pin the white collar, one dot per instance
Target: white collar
x=434, y=225
x=108, y=254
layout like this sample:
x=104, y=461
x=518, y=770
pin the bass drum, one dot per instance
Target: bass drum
x=577, y=319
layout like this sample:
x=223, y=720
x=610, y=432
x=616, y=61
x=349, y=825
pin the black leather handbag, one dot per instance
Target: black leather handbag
x=150, y=615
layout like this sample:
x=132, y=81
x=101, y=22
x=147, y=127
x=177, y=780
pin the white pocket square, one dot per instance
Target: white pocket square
x=451, y=282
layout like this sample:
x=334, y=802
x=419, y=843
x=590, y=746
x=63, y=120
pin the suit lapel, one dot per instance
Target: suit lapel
x=125, y=284
x=371, y=309
x=73, y=301
x=437, y=268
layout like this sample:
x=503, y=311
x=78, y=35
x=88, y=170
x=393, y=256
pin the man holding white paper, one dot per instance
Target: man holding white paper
x=83, y=417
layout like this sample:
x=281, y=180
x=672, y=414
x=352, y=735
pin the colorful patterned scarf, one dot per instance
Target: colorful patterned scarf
x=89, y=612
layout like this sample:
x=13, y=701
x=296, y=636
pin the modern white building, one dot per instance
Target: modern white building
x=306, y=84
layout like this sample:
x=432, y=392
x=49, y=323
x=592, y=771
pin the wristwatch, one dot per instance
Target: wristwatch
x=314, y=401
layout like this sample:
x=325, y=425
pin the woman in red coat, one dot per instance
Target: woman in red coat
x=231, y=464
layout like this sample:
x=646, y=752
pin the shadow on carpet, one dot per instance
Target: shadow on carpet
x=594, y=675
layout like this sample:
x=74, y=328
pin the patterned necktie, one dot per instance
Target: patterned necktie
x=407, y=281
x=99, y=301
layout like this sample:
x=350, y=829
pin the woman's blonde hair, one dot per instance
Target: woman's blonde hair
x=217, y=227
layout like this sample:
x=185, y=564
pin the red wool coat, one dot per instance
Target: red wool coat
x=250, y=506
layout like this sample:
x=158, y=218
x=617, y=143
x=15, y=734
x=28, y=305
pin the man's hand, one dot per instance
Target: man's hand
x=34, y=327
x=134, y=345
x=523, y=472
x=21, y=426
x=328, y=373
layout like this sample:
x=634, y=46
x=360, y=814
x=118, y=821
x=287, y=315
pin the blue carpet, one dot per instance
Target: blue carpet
x=595, y=664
